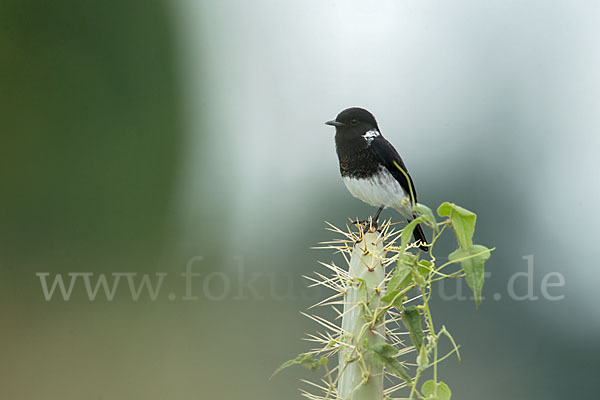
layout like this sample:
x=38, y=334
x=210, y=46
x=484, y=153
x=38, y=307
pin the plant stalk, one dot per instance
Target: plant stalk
x=361, y=377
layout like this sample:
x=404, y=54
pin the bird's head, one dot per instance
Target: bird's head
x=354, y=122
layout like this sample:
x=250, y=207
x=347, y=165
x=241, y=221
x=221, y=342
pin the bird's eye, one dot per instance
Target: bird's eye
x=354, y=122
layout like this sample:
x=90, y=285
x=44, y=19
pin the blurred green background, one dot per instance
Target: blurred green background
x=139, y=136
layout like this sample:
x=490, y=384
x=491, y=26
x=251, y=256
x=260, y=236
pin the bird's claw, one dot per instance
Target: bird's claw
x=367, y=223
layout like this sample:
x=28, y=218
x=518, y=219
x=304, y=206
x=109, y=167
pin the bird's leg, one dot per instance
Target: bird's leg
x=375, y=218
x=373, y=222
x=360, y=222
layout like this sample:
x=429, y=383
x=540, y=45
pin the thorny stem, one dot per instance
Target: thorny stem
x=366, y=256
x=432, y=332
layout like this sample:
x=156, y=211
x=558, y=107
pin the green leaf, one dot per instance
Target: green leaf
x=428, y=214
x=394, y=298
x=463, y=222
x=433, y=391
x=385, y=354
x=408, y=259
x=418, y=268
x=409, y=269
x=401, y=277
x=407, y=232
x=306, y=360
x=472, y=261
x=411, y=317
x=424, y=267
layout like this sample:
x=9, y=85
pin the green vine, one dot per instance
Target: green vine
x=378, y=304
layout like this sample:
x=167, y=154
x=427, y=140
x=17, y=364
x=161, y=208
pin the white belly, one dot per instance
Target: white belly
x=382, y=189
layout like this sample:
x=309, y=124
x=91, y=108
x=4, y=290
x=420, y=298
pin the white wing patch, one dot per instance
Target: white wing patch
x=370, y=135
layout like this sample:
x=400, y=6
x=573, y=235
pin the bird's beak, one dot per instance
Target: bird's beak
x=334, y=123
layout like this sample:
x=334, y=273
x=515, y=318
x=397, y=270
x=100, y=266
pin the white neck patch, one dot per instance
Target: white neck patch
x=370, y=135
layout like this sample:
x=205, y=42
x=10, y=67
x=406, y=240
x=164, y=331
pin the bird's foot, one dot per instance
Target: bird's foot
x=368, y=225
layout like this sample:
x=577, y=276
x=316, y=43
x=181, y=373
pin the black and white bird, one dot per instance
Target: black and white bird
x=369, y=165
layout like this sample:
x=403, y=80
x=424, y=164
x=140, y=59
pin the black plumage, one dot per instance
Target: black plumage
x=369, y=166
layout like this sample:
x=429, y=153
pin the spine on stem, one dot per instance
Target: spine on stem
x=361, y=378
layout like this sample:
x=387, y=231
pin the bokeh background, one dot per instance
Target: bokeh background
x=139, y=136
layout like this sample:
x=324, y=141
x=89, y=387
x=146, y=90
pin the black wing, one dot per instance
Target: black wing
x=387, y=155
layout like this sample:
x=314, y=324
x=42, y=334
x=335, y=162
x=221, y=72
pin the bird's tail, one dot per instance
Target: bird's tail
x=419, y=236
